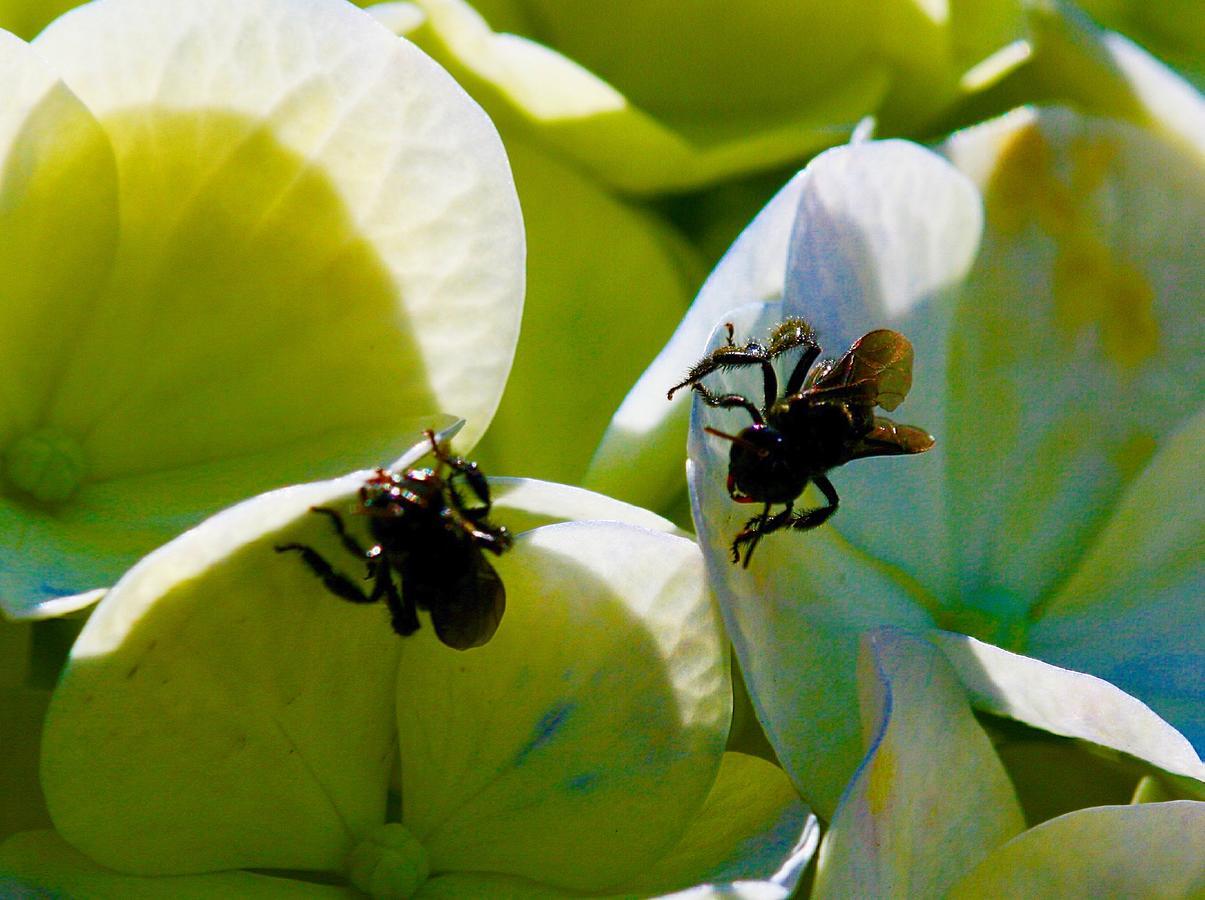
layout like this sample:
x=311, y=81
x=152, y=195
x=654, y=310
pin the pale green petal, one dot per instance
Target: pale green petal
x=944, y=51
x=1069, y=703
x=575, y=747
x=732, y=114
x=58, y=228
x=417, y=223
x=752, y=833
x=1107, y=74
x=796, y=613
x=43, y=861
x=296, y=289
x=462, y=885
x=27, y=17
x=22, y=711
x=1171, y=29
x=740, y=890
x=606, y=284
x=221, y=709
x=525, y=503
x=640, y=455
x=1075, y=354
x=886, y=232
x=1151, y=850
x=1131, y=612
x=931, y=798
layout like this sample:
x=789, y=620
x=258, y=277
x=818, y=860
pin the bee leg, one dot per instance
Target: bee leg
x=800, y=372
x=814, y=518
x=462, y=468
x=729, y=401
x=402, y=613
x=730, y=357
x=757, y=528
x=352, y=545
x=750, y=535
x=335, y=582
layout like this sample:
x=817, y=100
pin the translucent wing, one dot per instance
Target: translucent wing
x=889, y=439
x=471, y=603
x=876, y=371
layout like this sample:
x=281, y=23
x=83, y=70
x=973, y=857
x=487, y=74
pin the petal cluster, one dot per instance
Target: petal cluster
x=222, y=275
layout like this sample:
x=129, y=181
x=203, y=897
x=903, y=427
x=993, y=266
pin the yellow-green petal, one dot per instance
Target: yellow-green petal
x=606, y=283
x=41, y=861
x=296, y=288
x=221, y=709
x=525, y=503
x=1107, y=74
x=1150, y=850
x=575, y=747
x=1168, y=29
x=58, y=231
x=27, y=17
x=931, y=798
x=650, y=134
x=753, y=830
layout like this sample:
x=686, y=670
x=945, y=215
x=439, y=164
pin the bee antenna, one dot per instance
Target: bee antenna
x=760, y=451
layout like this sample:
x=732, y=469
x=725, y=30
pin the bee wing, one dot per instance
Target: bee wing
x=876, y=371
x=471, y=604
x=887, y=438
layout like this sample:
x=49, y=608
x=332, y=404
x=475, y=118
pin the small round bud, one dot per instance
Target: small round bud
x=389, y=863
x=46, y=465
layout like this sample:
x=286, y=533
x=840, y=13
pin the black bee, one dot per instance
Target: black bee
x=823, y=419
x=426, y=533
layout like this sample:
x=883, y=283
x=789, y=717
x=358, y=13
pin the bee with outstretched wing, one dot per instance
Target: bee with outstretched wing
x=824, y=418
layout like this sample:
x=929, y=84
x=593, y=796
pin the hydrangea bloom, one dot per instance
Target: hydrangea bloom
x=1053, y=363
x=222, y=274
x=748, y=87
x=221, y=712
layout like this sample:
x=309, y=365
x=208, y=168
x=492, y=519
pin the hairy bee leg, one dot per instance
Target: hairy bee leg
x=729, y=357
x=729, y=401
x=336, y=520
x=335, y=582
x=814, y=518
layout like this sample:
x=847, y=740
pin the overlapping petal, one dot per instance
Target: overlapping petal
x=639, y=457
x=294, y=288
x=40, y=861
x=1141, y=583
x=1068, y=703
x=1152, y=849
x=979, y=535
x=574, y=748
x=615, y=114
x=222, y=711
x=931, y=798
x=1079, y=350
